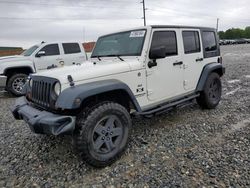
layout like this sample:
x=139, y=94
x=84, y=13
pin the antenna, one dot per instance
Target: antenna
x=217, y=24
x=144, y=12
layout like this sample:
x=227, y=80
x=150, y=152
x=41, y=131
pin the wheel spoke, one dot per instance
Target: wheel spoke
x=116, y=132
x=98, y=143
x=99, y=129
x=110, y=145
x=110, y=122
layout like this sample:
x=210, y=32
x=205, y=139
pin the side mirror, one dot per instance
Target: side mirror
x=40, y=53
x=158, y=52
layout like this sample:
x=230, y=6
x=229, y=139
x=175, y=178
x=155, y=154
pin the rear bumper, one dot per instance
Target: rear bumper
x=3, y=80
x=42, y=122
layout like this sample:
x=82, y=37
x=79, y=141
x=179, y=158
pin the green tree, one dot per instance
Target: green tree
x=247, y=32
x=221, y=34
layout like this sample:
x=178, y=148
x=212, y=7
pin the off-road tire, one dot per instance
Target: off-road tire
x=88, y=123
x=10, y=84
x=211, y=95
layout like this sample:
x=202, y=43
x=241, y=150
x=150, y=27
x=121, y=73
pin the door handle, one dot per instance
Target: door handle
x=199, y=59
x=178, y=63
x=61, y=63
x=59, y=59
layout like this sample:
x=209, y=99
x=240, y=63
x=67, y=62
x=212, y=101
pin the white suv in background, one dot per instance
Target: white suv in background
x=15, y=69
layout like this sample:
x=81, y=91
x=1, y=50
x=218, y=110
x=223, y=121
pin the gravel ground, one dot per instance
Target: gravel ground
x=188, y=147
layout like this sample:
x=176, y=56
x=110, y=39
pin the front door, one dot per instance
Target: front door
x=165, y=80
x=51, y=58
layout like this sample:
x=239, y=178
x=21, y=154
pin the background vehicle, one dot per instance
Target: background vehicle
x=14, y=70
x=145, y=71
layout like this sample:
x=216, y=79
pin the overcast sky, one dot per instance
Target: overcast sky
x=25, y=22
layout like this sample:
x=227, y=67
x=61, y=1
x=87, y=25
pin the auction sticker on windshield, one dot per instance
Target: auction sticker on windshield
x=137, y=33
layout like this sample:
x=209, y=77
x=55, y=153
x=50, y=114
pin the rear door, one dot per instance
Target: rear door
x=192, y=58
x=73, y=53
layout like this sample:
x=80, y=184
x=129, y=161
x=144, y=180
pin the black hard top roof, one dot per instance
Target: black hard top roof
x=181, y=26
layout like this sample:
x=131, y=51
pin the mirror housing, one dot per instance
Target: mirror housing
x=158, y=52
x=40, y=53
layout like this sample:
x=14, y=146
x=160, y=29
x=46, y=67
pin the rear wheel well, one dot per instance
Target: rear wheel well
x=118, y=96
x=218, y=71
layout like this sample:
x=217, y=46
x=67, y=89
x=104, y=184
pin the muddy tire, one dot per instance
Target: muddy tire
x=102, y=133
x=211, y=95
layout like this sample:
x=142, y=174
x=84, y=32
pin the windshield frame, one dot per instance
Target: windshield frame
x=30, y=54
x=115, y=55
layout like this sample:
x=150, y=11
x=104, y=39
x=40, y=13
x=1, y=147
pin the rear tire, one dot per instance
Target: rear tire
x=102, y=133
x=211, y=95
x=15, y=84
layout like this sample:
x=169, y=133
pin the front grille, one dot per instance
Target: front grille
x=41, y=91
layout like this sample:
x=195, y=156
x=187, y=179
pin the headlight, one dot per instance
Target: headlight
x=57, y=88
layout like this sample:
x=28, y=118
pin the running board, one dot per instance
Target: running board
x=183, y=102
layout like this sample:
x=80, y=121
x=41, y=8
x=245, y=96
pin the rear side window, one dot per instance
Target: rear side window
x=71, y=48
x=51, y=49
x=209, y=41
x=191, y=42
x=167, y=39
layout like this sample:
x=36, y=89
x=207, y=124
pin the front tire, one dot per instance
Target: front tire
x=15, y=84
x=211, y=95
x=102, y=133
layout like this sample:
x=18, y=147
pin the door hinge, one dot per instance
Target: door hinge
x=185, y=66
x=185, y=83
x=150, y=92
x=148, y=73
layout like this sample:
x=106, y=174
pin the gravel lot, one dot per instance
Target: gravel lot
x=188, y=147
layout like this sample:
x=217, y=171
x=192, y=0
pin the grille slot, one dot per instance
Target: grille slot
x=41, y=91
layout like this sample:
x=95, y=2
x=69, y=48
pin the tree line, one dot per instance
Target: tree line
x=235, y=33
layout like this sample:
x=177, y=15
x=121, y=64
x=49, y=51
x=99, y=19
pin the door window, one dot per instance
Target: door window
x=167, y=39
x=191, y=42
x=209, y=41
x=51, y=49
x=71, y=48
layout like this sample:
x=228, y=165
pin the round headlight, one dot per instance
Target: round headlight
x=57, y=88
x=30, y=83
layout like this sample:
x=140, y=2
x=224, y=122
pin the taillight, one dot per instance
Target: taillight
x=219, y=60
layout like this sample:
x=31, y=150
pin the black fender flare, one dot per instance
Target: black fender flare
x=31, y=69
x=212, y=67
x=67, y=99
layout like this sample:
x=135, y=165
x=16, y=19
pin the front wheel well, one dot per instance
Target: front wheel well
x=118, y=96
x=10, y=71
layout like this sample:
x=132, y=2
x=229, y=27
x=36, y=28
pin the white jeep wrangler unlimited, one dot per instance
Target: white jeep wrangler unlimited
x=146, y=71
x=14, y=70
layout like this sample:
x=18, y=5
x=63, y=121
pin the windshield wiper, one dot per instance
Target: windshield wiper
x=98, y=57
x=120, y=58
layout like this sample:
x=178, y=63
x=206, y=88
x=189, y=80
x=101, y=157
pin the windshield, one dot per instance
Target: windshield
x=129, y=43
x=30, y=51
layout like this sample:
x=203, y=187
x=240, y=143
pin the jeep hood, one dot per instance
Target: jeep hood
x=87, y=70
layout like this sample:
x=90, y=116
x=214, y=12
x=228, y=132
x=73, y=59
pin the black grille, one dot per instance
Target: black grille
x=41, y=91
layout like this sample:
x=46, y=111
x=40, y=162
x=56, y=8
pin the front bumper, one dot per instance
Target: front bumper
x=3, y=80
x=42, y=122
x=223, y=70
